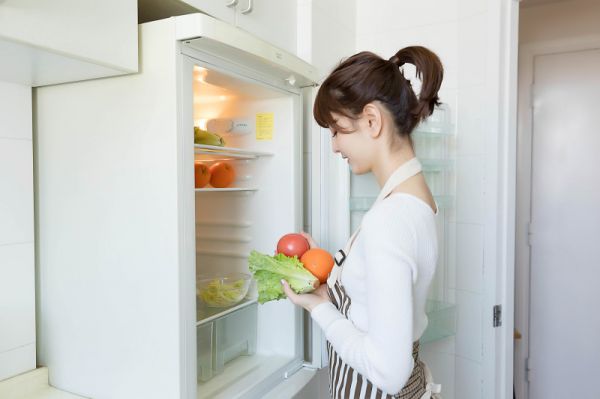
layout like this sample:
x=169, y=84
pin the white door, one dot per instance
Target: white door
x=564, y=356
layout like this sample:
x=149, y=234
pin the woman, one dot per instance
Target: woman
x=373, y=313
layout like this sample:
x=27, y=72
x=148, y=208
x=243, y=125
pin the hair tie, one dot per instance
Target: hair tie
x=394, y=60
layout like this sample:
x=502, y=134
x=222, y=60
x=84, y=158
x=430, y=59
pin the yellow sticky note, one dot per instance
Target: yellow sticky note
x=264, y=126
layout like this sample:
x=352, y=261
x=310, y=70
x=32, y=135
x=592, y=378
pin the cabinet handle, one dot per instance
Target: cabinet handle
x=232, y=3
x=249, y=9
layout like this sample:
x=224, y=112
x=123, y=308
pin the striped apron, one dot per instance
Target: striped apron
x=344, y=381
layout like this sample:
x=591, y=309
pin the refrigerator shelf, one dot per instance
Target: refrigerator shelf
x=436, y=165
x=433, y=132
x=204, y=314
x=442, y=321
x=228, y=189
x=218, y=153
x=363, y=204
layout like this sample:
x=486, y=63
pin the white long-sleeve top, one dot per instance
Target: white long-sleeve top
x=387, y=275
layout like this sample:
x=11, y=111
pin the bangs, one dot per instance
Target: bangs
x=327, y=103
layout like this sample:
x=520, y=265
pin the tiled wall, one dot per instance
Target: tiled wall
x=17, y=290
x=456, y=30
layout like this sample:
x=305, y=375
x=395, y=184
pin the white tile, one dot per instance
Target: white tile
x=15, y=111
x=16, y=191
x=470, y=130
x=17, y=296
x=469, y=189
x=468, y=379
x=341, y=11
x=441, y=38
x=446, y=346
x=468, y=325
x=382, y=15
x=468, y=8
x=451, y=255
x=472, y=51
x=469, y=257
x=331, y=43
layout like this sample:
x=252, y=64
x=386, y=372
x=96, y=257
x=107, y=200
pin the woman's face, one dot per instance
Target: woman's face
x=353, y=142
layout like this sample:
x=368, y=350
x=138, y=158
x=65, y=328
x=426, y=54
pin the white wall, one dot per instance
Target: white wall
x=17, y=289
x=464, y=33
x=562, y=20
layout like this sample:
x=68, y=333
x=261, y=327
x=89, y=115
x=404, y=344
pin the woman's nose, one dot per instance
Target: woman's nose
x=334, y=146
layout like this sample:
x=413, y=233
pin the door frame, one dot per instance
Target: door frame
x=499, y=199
x=527, y=54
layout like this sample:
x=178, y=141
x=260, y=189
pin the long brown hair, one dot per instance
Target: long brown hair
x=366, y=77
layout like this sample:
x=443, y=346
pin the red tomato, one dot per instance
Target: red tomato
x=292, y=245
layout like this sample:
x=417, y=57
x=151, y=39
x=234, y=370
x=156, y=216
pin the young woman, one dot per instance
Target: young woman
x=373, y=312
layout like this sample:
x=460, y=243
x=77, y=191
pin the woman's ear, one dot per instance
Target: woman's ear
x=372, y=119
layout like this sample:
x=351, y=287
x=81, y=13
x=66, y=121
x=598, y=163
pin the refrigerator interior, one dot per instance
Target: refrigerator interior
x=245, y=348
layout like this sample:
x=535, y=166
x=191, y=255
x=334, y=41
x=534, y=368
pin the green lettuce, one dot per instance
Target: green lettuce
x=269, y=270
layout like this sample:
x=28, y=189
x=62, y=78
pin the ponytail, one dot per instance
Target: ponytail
x=366, y=77
x=429, y=70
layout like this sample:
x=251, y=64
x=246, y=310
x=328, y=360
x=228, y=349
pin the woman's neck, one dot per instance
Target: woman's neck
x=389, y=161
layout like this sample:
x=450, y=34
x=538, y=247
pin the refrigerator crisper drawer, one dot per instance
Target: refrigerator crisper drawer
x=225, y=339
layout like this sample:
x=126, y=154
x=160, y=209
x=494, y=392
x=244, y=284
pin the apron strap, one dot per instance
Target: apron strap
x=401, y=174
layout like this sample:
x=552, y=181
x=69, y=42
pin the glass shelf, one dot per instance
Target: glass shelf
x=436, y=165
x=205, y=314
x=228, y=189
x=362, y=204
x=442, y=321
x=433, y=132
x=214, y=153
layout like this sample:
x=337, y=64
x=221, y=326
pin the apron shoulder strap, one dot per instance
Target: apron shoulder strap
x=401, y=174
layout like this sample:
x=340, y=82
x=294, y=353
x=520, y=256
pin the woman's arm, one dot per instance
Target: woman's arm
x=384, y=353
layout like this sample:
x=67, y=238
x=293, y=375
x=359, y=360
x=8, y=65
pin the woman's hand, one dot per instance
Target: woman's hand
x=311, y=243
x=307, y=301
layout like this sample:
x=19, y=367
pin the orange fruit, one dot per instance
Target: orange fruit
x=319, y=262
x=201, y=174
x=222, y=174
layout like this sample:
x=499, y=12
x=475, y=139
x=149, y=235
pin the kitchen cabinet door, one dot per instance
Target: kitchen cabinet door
x=49, y=42
x=220, y=9
x=274, y=21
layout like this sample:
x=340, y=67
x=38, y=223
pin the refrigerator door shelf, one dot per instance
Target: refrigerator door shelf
x=442, y=321
x=363, y=204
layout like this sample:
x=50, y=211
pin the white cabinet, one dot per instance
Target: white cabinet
x=274, y=21
x=44, y=42
x=271, y=20
x=221, y=9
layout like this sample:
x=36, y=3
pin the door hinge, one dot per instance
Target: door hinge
x=497, y=315
x=529, y=234
x=527, y=369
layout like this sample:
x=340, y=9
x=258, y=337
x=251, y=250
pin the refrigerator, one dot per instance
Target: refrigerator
x=123, y=233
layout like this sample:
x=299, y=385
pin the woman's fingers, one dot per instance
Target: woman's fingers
x=289, y=292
